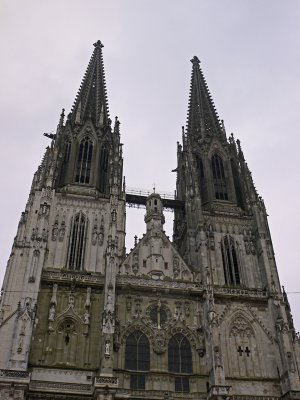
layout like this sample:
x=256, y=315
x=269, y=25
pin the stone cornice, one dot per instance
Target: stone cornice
x=71, y=276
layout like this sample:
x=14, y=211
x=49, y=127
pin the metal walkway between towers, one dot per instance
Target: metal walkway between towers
x=137, y=198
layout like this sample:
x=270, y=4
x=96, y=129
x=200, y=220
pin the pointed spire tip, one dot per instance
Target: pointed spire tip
x=195, y=60
x=98, y=44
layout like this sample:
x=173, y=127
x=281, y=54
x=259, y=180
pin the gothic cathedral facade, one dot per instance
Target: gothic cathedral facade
x=201, y=317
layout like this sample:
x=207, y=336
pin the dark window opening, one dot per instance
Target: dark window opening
x=103, y=170
x=67, y=152
x=77, y=242
x=230, y=262
x=137, y=358
x=84, y=161
x=219, y=178
x=180, y=361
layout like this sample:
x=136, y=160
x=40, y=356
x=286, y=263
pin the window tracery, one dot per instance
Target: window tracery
x=230, y=261
x=180, y=361
x=219, y=178
x=103, y=178
x=77, y=242
x=84, y=160
x=137, y=358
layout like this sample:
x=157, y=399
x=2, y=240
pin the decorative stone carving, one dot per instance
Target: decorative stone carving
x=101, y=232
x=240, y=327
x=135, y=263
x=55, y=230
x=62, y=231
x=159, y=342
x=128, y=303
x=94, y=235
x=176, y=267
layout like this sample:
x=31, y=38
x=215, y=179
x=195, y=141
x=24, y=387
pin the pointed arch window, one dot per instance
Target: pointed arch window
x=180, y=361
x=77, y=242
x=103, y=169
x=137, y=358
x=67, y=151
x=219, y=178
x=84, y=161
x=230, y=261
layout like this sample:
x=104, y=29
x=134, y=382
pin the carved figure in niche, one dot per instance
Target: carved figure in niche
x=128, y=303
x=62, y=231
x=135, y=263
x=138, y=307
x=218, y=361
x=108, y=322
x=95, y=233
x=55, y=230
x=86, y=318
x=44, y=209
x=211, y=311
x=101, y=232
x=20, y=344
x=178, y=313
x=176, y=268
x=107, y=348
x=109, y=300
x=51, y=313
x=210, y=237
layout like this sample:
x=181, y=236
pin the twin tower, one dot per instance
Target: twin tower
x=199, y=317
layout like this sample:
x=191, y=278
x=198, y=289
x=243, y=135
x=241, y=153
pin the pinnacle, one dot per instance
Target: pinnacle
x=195, y=60
x=98, y=45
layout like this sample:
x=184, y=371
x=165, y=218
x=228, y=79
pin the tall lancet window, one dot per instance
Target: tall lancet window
x=137, y=358
x=180, y=361
x=77, y=242
x=219, y=178
x=84, y=161
x=230, y=261
x=103, y=169
x=200, y=173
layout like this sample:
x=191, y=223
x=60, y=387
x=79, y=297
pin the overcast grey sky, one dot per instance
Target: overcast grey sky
x=250, y=57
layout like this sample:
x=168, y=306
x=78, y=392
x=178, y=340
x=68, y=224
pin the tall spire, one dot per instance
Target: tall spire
x=91, y=100
x=203, y=119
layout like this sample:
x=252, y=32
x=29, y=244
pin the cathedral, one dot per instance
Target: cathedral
x=200, y=317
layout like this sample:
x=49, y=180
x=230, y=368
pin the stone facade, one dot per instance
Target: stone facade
x=200, y=317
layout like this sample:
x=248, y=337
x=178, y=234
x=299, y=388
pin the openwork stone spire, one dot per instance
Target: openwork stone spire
x=202, y=118
x=91, y=100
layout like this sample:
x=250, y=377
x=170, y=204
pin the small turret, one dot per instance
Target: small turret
x=154, y=217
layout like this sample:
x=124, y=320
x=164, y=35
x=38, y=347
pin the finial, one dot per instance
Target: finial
x=98, y=45
x=135, y=240
x=195, y=60
x=241, y=154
